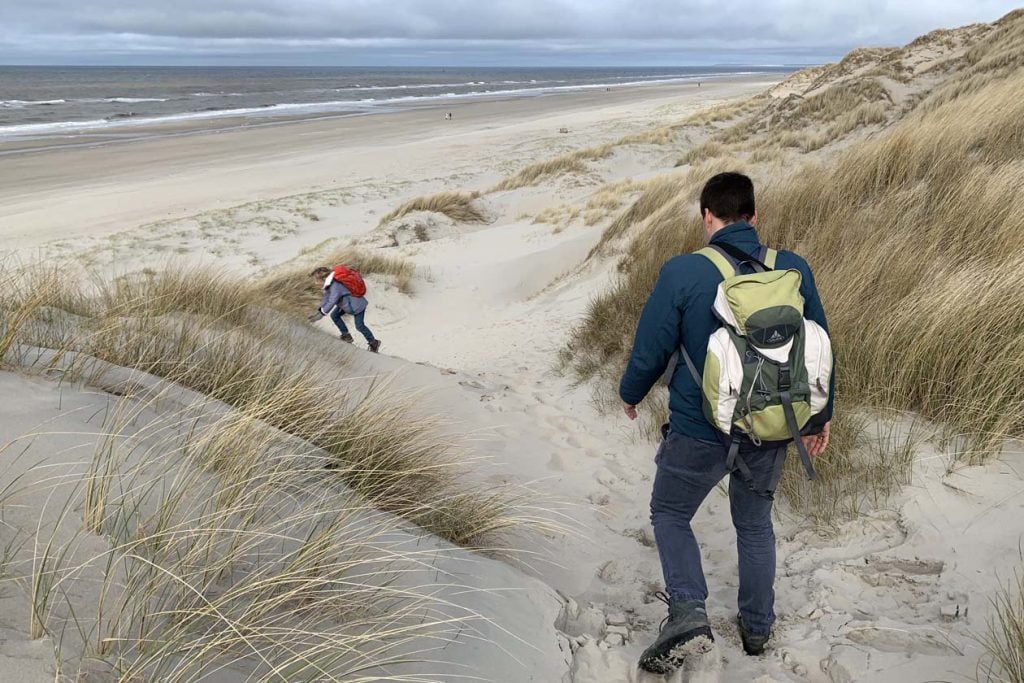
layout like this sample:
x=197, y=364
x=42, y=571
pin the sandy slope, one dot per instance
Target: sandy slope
x=512, y=622
x=893, y=596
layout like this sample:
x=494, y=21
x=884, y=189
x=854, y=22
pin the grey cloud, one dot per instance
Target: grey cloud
x=505, y=26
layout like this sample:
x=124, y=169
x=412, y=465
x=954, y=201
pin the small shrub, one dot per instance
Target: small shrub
x=567, y=163
x=708, y=150
x=459, y=206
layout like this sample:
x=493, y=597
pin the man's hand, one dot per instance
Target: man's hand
x=315, y=317
x=817, y=443
x=630, y=410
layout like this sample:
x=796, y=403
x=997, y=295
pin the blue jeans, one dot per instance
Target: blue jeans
x=360, y=325
x=687, y=471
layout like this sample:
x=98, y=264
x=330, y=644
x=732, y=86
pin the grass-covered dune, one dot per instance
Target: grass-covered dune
x=915, y=235
x=242, y=501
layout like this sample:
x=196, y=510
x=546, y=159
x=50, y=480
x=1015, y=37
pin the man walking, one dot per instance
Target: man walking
x=693, y=457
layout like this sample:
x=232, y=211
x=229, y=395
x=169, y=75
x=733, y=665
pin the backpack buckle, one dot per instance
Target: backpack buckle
x=784, y=377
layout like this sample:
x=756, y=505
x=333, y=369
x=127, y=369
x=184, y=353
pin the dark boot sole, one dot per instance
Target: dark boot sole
x=671, y=654
x=751, y=649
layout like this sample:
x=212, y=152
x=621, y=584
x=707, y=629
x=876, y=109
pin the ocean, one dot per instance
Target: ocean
x=42, y=101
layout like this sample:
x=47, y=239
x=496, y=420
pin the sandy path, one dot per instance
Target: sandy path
x=884, y=599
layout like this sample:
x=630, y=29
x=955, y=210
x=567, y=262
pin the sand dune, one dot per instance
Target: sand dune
x=899, y=592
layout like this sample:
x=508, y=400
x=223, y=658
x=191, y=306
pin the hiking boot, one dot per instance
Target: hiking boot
x=753, y=643
x=685, y=632
x=347, y=338
x=374, y=345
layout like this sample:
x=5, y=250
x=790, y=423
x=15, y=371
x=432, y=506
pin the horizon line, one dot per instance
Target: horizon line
x=415, y=66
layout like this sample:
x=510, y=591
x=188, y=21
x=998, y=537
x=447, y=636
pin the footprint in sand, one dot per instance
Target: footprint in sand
x=605, y=477
x=642, y=535
x=563, y=422
x=592, y=663
x=901, y=640
x=557, y=463
x=913, y=584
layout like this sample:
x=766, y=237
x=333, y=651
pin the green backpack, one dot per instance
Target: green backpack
x=768, y=368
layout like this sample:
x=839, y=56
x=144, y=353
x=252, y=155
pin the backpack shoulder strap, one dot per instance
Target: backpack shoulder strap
x=727, y=266
x=723, y=261
x=768, y=257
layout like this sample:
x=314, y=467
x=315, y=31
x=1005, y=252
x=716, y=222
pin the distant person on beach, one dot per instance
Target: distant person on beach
x=772, y=360
x=344, y=294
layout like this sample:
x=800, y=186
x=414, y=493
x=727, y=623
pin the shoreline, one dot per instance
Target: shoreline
x=73, y=191
x=96, y=133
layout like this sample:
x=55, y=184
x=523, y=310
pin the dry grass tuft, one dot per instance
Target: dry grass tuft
x=665, y=135
x=567, y=163
x=870, y=458
x=708, y=150
x=560, y=216
x=663, y=204
x=534, y=173
x=1003, y=643
x=658, y=193
x=726, y=111
x=459, y=206
x=608, y=199
x=866, y=114
x=764, y=155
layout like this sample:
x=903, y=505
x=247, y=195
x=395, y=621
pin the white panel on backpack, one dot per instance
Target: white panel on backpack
x=818, y=361
x=731, y=378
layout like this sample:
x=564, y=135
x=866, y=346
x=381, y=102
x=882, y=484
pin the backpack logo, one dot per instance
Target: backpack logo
x=776, y=337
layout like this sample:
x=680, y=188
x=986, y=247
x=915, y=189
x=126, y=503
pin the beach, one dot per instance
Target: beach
x=68, y=192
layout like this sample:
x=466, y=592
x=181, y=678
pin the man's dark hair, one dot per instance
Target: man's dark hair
x=729, y=196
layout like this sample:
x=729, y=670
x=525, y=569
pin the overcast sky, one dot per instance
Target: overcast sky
x=467, y=32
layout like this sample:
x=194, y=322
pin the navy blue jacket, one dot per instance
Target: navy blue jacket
x=679, y=312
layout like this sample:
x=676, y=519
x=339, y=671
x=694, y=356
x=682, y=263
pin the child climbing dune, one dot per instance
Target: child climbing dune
x=344, y=294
